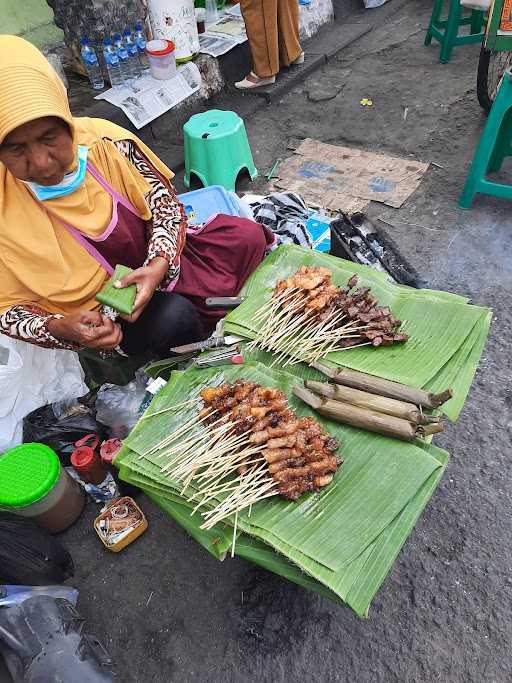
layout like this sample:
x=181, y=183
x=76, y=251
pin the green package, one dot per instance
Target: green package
x=121, y=300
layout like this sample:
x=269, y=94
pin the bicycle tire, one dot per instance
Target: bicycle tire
x=491, y=67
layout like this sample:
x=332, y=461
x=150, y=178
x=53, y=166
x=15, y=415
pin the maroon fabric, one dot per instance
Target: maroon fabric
x=215, y=261
x=127, y=243
x=219, y=259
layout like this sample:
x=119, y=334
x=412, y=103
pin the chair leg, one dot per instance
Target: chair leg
x=502, y=146
x=434, y=18
x=477, y=22
x=485, y=149
x=452, y=29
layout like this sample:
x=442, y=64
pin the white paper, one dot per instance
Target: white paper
x=234, y=11
x=148, y=98
x=228, y=26
x=216, y=45
x=223, y=35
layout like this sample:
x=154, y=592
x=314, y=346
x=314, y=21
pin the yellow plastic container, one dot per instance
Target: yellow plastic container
x=129, y=538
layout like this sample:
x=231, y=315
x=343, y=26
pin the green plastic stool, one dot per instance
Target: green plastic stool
x=446, y=30
x=217, y=149
x=494, y=145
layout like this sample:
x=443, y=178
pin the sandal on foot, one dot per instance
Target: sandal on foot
x=258, y=82
x=300, y=59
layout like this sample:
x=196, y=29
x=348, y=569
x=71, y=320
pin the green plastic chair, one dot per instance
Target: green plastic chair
x=446, y=31
x=217, y=149
x=494, y=146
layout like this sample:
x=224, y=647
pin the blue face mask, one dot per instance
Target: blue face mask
x=70, y=182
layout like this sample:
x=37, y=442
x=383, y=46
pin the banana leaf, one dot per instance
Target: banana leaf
x=291, y=529
x=121, y=300
x=438, y=322
x=357, y=583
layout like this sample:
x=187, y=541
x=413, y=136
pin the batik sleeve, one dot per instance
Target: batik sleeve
x=30, y=324
x=168, y=225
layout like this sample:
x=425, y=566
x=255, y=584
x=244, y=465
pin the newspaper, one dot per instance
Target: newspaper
x=147, y=98
x=234, y=11
x=222, y=36
x=216, y=45
x=229, y=26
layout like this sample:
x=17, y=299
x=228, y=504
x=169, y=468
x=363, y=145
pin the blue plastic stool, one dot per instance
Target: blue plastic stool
x=217, y=149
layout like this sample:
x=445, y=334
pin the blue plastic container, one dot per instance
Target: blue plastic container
x=207, y=201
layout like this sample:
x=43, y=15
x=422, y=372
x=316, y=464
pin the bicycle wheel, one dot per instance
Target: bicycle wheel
x=491, y=67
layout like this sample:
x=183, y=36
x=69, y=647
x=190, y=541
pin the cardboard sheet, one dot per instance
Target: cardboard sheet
x=346, y=179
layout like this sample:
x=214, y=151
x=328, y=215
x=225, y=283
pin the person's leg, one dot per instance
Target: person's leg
x=290, y=50
x=260, y=18
x=168, y=320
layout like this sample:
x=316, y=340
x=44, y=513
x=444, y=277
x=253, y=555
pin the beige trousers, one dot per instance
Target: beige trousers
x=273, y=32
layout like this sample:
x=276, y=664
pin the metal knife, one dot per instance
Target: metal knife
x=210, y=343
x=224, y=301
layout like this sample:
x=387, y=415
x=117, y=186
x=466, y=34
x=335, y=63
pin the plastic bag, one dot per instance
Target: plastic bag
x=43, y=639
x=62, y=424
x=371, y=4
x=29, y=555
x=30, y=377
x=119, y=407
x=15, y=595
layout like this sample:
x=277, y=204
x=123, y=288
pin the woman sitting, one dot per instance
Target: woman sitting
x=79, y=196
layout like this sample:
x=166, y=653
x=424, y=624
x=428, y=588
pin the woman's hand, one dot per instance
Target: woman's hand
x=87, y=328
x=147, y=280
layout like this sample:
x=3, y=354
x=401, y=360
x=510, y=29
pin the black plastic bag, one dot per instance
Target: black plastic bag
x=43, y=639
x=29, y=555
x=62, y=424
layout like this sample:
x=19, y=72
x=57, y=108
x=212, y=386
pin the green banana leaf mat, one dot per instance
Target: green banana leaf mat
x=342, y=541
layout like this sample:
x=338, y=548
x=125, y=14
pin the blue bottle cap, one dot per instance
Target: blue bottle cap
x=84, y=41
x=107, y=41
x=138, y=27
x=117, y=36
x=127, y=32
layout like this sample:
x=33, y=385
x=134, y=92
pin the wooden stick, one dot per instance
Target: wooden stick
x=384, y=387
x=166, y=410
x=234, y=534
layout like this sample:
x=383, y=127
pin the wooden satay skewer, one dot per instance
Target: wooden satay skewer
x=235, y=500
x=384, y=387
x=371, y=420
x=363, y=399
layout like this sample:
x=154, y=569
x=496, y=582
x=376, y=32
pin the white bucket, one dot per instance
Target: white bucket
x=162, y=59
x=175, y=20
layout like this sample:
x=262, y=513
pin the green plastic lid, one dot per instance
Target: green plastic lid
x=27, y=473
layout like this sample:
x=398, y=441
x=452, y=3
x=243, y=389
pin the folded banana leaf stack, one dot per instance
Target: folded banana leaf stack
x=340, y=542
x=447, y=335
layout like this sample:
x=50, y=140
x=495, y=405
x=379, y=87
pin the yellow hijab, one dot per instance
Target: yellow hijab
x=40, y=262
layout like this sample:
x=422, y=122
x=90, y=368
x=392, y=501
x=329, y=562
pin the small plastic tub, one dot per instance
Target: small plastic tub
x=162, y=58
x=34, y=484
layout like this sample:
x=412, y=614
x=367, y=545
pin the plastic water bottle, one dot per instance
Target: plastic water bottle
x=133, y=53
x=92, y=65
x=212, y=14
x=112, y=63
x=140, y=40
x=124, y=58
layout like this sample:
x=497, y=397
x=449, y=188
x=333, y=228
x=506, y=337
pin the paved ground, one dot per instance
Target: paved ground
x=169, y=612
